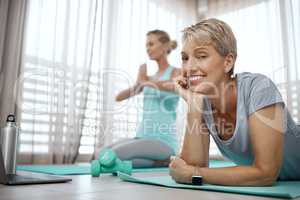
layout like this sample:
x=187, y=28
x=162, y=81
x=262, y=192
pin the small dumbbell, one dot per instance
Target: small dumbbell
x=109, y=163
x=107, y=157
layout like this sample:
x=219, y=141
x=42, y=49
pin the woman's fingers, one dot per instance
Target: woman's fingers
x=181, y=87
x=182, y=81
x=193, y=99
x=142, y=74
x=172, y=158
x=143, y=69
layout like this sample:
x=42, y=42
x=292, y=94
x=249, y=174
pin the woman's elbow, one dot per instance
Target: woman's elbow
x=194, y=160
x=268, y=176
x=118, y=98
x=268, y=181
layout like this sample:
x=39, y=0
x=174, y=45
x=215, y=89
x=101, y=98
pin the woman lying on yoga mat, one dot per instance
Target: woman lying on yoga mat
x=156, y=138
x=244, y=114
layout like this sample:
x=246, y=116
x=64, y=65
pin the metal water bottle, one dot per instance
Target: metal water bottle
x=9, y=141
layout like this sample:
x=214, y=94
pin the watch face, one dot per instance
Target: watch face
x=197, y=180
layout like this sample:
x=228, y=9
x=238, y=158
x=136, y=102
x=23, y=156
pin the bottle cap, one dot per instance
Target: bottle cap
x=11, y=118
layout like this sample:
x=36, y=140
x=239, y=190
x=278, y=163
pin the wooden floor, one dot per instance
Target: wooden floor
x=109, y=187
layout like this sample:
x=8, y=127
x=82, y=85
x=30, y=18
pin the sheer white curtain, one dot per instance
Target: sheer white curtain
x=58, y=53
x=291, y=58
x=78, y=54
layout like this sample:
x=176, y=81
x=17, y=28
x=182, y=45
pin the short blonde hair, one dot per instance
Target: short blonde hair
x=215, y=32
x=164, y=38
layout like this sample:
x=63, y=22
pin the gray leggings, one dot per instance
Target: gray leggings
x=143, y=152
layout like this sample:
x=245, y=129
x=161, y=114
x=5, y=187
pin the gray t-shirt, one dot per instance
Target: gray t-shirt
x=254, y=92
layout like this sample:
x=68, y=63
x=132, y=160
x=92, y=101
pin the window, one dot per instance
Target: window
x=78, y=54
x=268, y=44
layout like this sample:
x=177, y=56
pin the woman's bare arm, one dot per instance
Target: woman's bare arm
x=125, y=94
x=137, y=88
x=195, y=149
x=266, y=131
x=166, y=85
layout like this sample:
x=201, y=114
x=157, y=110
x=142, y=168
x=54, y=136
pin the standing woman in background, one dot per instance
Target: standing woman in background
x=156, y=138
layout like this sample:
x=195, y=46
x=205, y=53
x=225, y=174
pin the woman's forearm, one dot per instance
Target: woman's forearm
x=125, y=94
x=237, y=176
x=167, y=85
x=195, y=152
x=195, y=149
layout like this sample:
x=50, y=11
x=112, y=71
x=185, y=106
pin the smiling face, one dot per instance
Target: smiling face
x=204, y=68
x=155, y=48
x=209, y=53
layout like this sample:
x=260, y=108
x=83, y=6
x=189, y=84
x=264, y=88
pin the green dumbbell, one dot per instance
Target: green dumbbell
x=109, y=163
x=120, y=166
x=107, y=157
x=95, y=168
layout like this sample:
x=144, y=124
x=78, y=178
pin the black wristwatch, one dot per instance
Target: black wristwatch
x=197, y=180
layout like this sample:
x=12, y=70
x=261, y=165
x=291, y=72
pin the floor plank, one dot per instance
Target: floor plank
x=108, y=187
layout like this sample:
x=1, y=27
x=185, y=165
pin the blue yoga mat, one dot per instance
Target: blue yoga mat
x=82, y=169
x=57, y=169
x=282, y=189
x=74, y=169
